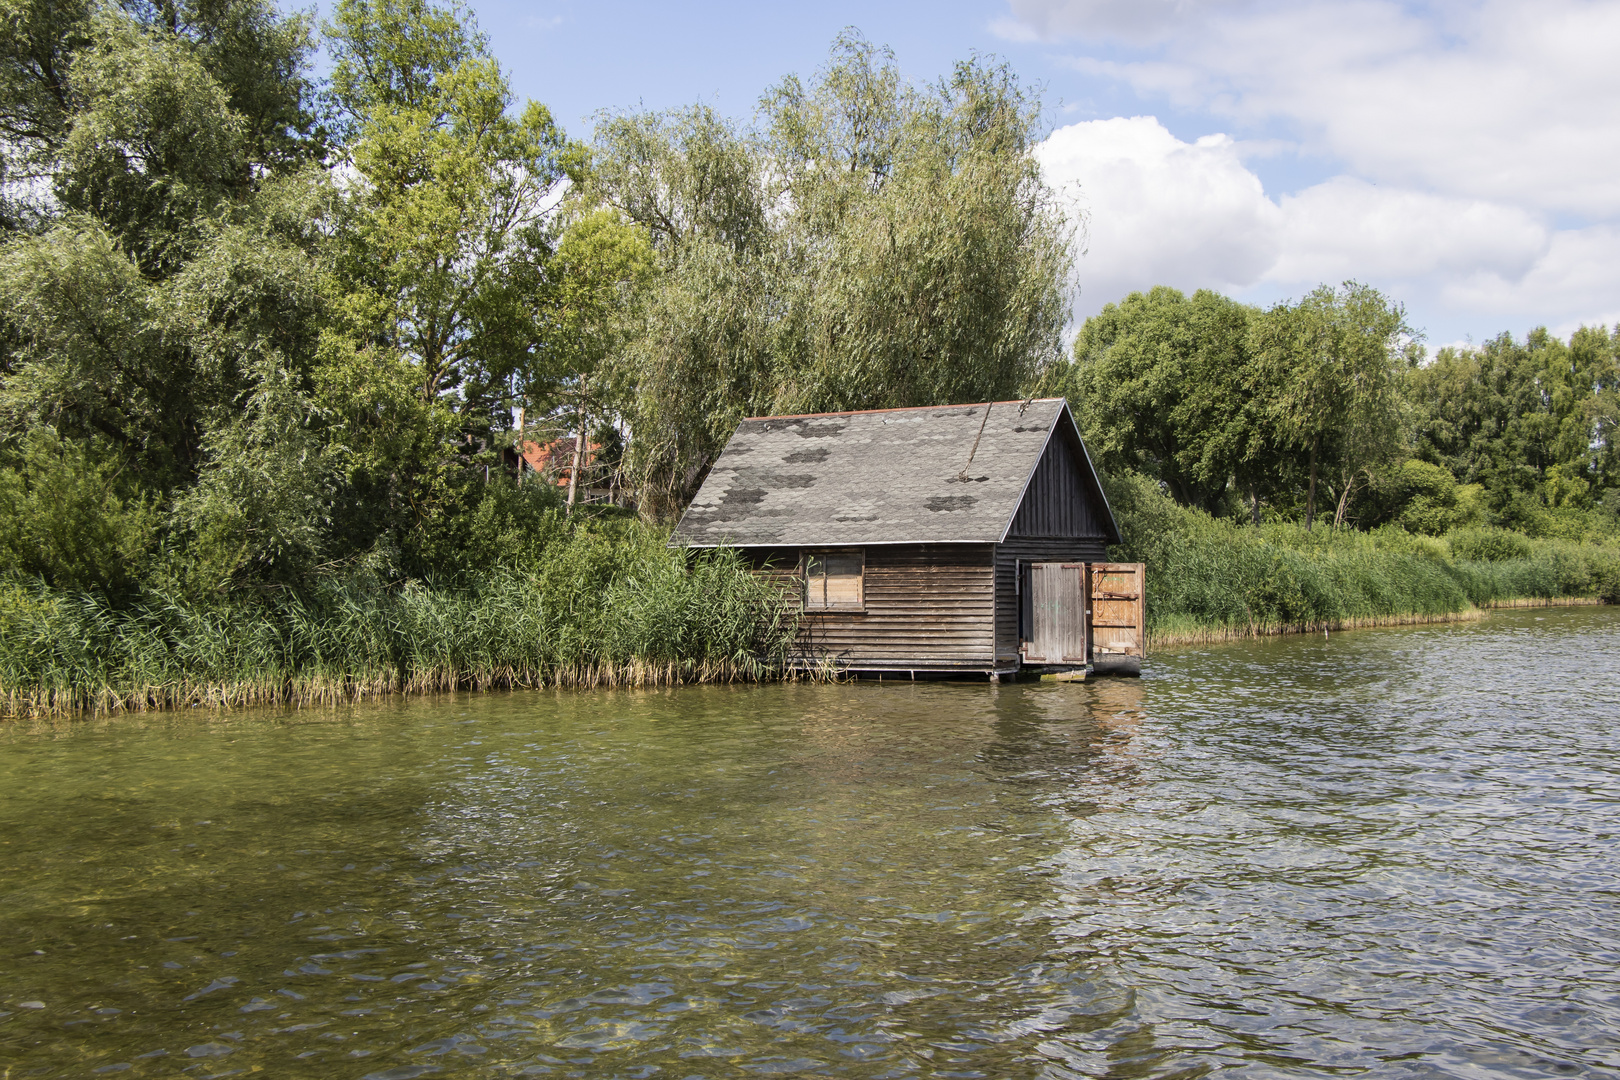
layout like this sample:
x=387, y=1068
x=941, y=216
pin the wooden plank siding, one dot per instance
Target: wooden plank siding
x=1056, y=502
x=1056, y=522
x=1030, y=549
x=927, y=607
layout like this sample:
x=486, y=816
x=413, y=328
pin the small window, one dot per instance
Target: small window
x=833, y=579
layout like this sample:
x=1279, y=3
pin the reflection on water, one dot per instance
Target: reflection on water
x=1388, y=854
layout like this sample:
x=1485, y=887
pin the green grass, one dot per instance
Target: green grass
x=602, y=608
x=1211, y=578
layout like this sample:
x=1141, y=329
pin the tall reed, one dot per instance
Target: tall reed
x=613, y=606
x=595, y=613
x=1210, y=578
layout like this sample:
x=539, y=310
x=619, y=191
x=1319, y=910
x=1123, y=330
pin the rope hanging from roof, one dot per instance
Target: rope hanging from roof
x=963, y=474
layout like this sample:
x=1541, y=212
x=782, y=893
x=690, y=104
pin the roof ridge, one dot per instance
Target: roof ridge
x=903, y=408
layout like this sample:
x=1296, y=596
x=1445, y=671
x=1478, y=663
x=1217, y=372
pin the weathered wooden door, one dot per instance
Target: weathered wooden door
x=1118, y=610
x=1057, y=614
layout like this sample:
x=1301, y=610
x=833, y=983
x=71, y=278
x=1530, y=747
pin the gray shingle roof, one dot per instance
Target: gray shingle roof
x=887, y=477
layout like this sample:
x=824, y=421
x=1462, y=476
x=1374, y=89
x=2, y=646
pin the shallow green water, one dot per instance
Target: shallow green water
x=1393, y=853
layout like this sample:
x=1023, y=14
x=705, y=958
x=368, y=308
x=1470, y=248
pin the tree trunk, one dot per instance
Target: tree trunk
x=521, y=416
x=1310, y=493
x=1344, y=500
x=1254, y=506
x=579, y=451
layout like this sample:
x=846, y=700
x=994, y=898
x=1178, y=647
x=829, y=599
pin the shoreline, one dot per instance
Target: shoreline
x=1557, y=601
x=1180, y=637
x=326, y=689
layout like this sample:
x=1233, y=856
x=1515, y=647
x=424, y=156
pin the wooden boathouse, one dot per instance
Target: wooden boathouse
x=953, y=540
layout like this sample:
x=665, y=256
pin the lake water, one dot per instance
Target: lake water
x=1391, y=853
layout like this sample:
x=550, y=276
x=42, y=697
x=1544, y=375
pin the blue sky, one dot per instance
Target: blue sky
x=1461, y=156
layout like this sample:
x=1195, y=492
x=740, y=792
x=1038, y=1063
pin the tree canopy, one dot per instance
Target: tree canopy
x=866, y=244
x=1249, y=412
x=259, y=327
x=1164, y=384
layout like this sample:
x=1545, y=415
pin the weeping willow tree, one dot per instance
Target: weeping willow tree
x=867, y=243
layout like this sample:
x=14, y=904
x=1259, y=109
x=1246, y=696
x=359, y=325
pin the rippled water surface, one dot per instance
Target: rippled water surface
x=1392, y=853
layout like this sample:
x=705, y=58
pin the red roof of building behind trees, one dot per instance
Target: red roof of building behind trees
x=556, y=456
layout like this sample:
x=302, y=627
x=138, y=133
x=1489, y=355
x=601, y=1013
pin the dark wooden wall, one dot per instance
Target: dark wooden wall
x=1058, y=501
x=943, y=606
x=927, y=606
x=1031, y=549
x=1058, y=521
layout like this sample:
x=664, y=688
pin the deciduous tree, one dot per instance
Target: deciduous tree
x=442, y=240
x=868, y=244
x=1164, y=384
x=1335, y=358
x=597, y=274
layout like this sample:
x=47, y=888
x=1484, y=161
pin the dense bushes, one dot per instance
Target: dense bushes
x=1211, y=577
x=67, y=517
x=607, y=604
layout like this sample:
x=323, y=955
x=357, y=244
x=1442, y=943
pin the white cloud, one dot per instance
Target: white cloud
x=1576, y=281
x=1162, y=211
x=1014, y=30
x=1348, y=227
x=1476, y=142
x=1192, y=215
x=1135, y=20
x=1499, y=100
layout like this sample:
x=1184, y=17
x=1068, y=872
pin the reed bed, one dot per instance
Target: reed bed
x=611, y=606
x=1213, y=580
x=1558, y=601
x=650, y=617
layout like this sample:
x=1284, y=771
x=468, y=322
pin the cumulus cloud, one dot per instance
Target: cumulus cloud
x=1476, y=144
x=1576, y=281
x=1161, y=211
x=1164, y=211
x=1496, y=100
x=1348, y=227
